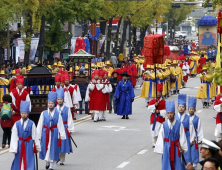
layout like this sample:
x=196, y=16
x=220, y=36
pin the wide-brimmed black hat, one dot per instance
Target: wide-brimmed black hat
x=125, y=74
x=81, y=74
x=115, y=72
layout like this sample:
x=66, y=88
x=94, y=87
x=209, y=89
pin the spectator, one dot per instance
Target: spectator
x=114, y=80
x=114, y=60
x=7, y=72
x=7, y=124
x=214, y=53
x=211, y=164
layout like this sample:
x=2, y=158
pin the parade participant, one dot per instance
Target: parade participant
x=96, y=95
x=83, y=89
x=218, y=128
x=158, y=113
x=124, y=95
x=6, y=109
x=3, y=85
x=214, y=53
x=65, y=112
x=174, y=77
x=187, y=124
x=202, y=63
x=208, y=150
x=50, y=131
x=114, y=81
x=209, y=55
x=193, y=65
x=148, y=89
x=109, y=68
x=108, y=87
x=24, y=141
x=171, y=141
x=19, y=94
x=131, y=69
x=204, y=91
x=67, y=96
x=74, y=93
x=198, y=130
x=185, y=69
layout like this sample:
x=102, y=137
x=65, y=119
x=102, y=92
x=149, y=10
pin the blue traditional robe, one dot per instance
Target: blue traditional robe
x=186, y=124
x=53, y=126
x=124, y=94
x=172, y=138
x=194, y=147
x=66, y=146
x=24, y=135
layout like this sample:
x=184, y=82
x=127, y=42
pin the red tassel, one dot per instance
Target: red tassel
x=60, y=142
x=68, y=134
x=34, y=149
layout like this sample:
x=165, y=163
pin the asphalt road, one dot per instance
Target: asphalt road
x=120, y=144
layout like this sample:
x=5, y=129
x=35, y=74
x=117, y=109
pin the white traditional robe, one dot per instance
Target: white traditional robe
x=191, y=128
x=160, y=140
x=70, y=123
x=199, y=129
x=14, y=139
x=218, y=128
x=60, y=127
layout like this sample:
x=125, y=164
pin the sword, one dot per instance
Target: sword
x=36, y=160
x=182, y=155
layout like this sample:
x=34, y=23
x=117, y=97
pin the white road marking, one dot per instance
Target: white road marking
x=185, y=89
x=122, y=165
x=142, y=152
x=116, y=128
x=199, y=111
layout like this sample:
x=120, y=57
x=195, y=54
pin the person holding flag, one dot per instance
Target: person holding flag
x=158, y=113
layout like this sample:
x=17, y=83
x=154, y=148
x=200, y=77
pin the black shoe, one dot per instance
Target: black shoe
x=153, y=146
x=74, y=118
x=123, y=117
x=50, y=169
x=61, y=163
x=47, y=166
x=95, y=121
x=3, y=145
x=80, y=113
x=127, y=117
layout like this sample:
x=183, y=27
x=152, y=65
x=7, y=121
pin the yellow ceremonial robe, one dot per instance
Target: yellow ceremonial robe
x=3, y=88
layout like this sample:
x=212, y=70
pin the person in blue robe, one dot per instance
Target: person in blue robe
x=187, y=124
x=171, y=141
x=124, y=96
x=24, y=141
x=50, y=131
x=65, y=112
x=198, y=131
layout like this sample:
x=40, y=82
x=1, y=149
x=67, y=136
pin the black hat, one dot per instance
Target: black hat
x=115, y=72
x=125, y=74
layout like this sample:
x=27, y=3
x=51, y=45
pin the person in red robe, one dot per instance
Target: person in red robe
x=108, y=89
x=202, y=62
x=185, y=69
x=97, y=91
x=74, y=93
x=157, y=108
x=14, y=79
x=132, y=71
x=19, y=94
x=67, y=97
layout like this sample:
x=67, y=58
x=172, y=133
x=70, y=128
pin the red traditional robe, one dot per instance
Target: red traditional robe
x=161, y=106
x=80, y=44
x=97, y=99
x=132, y=71
x=17, y=97
x=106, y=97
x=201, y=61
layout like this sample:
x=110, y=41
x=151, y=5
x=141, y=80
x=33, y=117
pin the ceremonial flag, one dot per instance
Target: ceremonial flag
x=218, y=60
